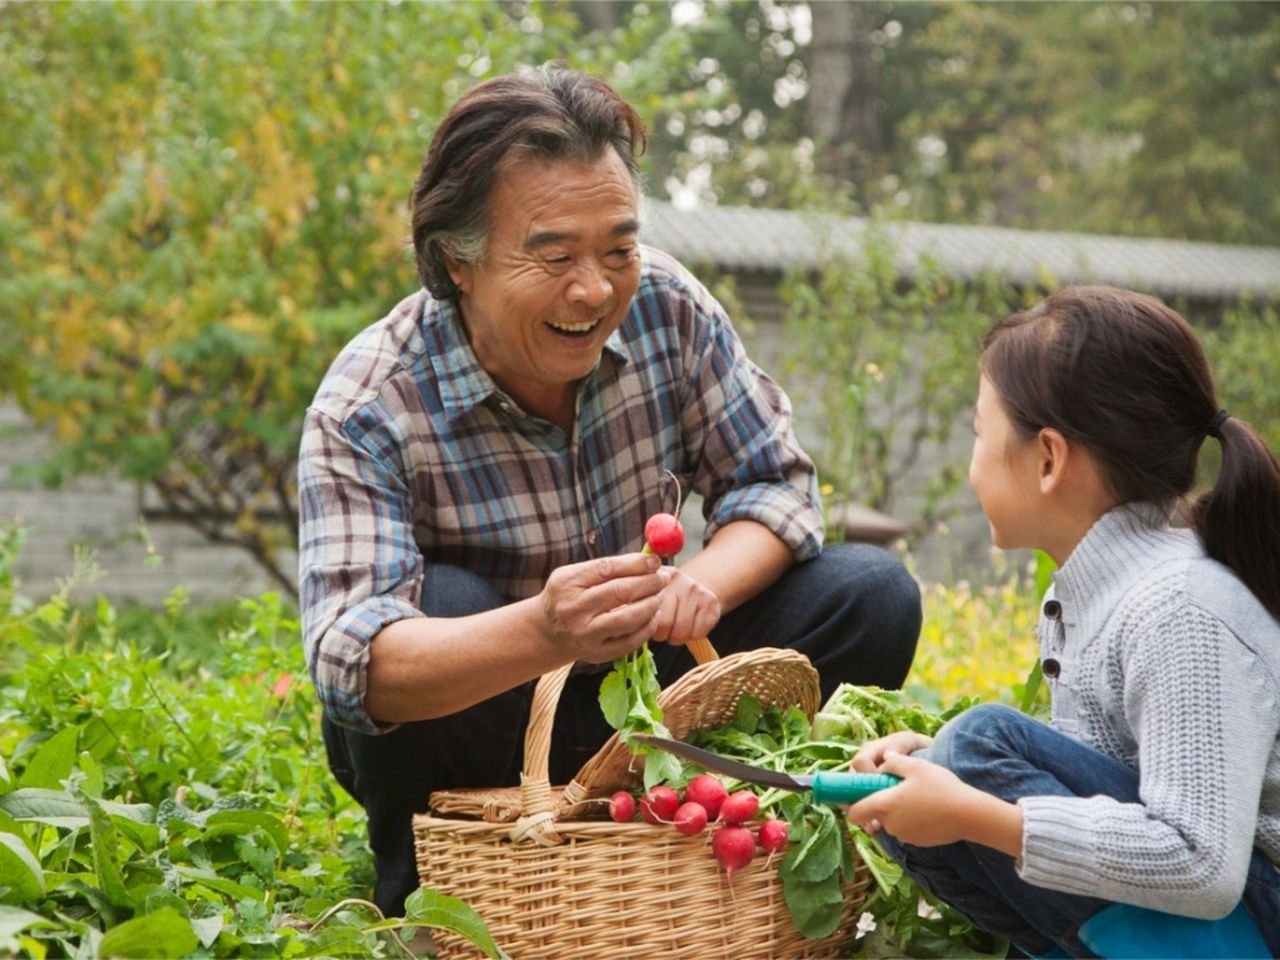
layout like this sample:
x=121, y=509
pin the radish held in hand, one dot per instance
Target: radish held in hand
x=709, y=791
x=691, y=817
x=734, y=847
x=773, y=835
x=663, y=535
x=622, y=807
x=739, y=807
x=659, y=805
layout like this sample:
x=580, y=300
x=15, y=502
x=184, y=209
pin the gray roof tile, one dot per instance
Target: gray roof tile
x=746, y=239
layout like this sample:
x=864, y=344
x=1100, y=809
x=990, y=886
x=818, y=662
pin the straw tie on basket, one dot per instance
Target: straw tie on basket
x=536, y=827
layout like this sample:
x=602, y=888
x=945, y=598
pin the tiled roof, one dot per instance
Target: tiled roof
x=742, y=238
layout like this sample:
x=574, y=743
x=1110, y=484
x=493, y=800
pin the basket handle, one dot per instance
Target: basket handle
x=535, y=785
x=546, y=697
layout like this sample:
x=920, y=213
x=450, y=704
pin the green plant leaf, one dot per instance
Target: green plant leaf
x=165, y=933
x=428, y=908
x=244, y=822
x=818, y=857
x=613, y=699
x=207, y=929
x=104, y=845
x=58, y=808
x=53, y=761
x=221, y=884
x=1045, y=569
x=13, y=920
x=1035, y=677
x=815, y=906
x=21, y=878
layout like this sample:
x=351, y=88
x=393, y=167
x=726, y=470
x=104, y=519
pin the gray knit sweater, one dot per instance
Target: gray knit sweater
x=1172, y=666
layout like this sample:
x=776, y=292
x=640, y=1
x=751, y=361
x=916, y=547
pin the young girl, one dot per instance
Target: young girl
x=1157, y=781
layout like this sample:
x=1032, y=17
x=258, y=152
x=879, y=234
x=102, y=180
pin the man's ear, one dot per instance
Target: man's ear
x=462, y=274
x=1053, y=452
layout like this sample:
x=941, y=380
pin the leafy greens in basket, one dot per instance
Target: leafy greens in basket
x=820, y=856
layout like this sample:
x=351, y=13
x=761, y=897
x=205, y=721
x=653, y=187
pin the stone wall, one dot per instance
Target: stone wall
x=106, y=515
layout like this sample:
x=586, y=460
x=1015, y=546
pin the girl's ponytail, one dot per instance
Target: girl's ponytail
x=1239, y=519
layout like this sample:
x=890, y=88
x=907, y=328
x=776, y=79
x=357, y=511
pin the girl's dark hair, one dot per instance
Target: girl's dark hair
x=550, y=113
x=1125, y=376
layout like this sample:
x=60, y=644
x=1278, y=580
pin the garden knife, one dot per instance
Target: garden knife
x=828, y=786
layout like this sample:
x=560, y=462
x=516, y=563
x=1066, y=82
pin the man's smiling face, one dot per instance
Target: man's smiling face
x=560, y=270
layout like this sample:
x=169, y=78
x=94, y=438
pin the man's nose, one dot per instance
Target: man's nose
x=591, y=285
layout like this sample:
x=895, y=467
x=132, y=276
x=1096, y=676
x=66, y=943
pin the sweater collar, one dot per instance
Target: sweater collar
x=1125, y=540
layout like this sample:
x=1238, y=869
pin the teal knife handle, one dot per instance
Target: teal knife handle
x=832, y=786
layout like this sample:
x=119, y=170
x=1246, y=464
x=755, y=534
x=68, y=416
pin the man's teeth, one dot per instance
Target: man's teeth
x=567, y=327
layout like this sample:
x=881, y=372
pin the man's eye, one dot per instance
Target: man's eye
x=622, y=253
x=560, y=261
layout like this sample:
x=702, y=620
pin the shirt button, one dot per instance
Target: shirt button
x=1051, y=668
x=504, y=406
x=1053, y=609
x=593, y=536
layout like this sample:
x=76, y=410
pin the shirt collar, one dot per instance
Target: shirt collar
x=463, y=383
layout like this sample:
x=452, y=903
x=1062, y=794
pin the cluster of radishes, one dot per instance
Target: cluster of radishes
x=707, y=801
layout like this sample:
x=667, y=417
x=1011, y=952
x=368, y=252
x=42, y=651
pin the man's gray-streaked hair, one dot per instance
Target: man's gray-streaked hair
x=548, y=113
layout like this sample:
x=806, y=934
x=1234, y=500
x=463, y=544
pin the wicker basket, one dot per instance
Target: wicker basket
x=554, y=879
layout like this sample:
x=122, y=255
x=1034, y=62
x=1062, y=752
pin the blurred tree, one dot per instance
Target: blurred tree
x=1160, y=114
x=202, y=202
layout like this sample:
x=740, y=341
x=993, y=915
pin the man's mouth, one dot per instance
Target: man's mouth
x=568, y=328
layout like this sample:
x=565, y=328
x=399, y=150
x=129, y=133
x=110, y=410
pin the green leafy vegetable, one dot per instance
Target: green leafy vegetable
x=629, y=700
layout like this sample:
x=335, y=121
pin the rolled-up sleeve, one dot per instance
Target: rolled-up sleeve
x=359, y=568
x=750, y=465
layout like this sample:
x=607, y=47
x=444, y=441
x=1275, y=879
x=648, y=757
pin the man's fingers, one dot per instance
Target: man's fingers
x=592, y=573
x=625, y=619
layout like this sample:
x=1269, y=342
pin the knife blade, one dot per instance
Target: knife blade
x=828, y=786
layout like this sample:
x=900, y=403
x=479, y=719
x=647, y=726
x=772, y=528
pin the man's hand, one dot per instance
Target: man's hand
x=687, y=610
x=598, y=610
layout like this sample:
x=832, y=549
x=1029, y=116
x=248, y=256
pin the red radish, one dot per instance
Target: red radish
x=709, y=791
x=664, y=535
x=659, y=805
x=734, y=847
x=739, y=806
x=773, y=835
x=622, y=807
x=691, y=817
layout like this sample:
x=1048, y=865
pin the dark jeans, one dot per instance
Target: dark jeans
x=1011, y=755
x=854, y=611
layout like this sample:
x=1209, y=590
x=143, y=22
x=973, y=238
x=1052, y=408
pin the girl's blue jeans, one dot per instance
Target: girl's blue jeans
x=1011, y=755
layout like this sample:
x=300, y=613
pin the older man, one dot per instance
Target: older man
x=477, y=468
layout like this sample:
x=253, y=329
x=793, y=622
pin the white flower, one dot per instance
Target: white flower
x=866, y=923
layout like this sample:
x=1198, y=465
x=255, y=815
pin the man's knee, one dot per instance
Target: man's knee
x=864, y=575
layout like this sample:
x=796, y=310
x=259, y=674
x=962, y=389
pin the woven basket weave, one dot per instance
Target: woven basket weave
x=554, y=879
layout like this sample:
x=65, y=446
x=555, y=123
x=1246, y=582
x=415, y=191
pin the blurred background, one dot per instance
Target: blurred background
x=201, y=202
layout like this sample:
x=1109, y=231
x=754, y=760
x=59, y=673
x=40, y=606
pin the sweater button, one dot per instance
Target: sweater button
x=1052, y=609
x=1051, y=668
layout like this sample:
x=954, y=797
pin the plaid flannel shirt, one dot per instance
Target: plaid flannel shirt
x=412, y=455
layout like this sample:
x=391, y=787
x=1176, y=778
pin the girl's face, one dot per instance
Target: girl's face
x=1004, y=473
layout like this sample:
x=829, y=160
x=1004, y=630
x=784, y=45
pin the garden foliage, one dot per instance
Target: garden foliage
x=164, y=793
